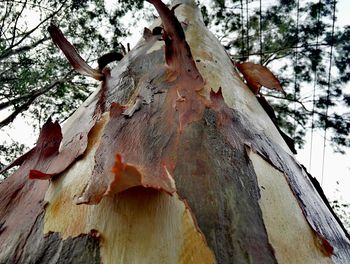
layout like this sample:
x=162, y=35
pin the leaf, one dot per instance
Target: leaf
x=257, y=75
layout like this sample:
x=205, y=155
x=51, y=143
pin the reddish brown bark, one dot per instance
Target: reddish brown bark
x=163, y=133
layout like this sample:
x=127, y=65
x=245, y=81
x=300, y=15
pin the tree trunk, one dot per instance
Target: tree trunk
x=172, y=160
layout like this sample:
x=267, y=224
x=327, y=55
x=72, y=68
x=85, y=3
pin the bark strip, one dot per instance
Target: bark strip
x=72, y=55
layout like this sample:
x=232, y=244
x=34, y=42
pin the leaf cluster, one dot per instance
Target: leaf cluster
x=35, y=79
x=295, y=39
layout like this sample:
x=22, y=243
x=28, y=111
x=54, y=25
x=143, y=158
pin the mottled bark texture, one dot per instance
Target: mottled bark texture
x=172, y=160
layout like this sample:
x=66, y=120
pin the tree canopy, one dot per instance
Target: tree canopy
x=297, y=40
x=310, y=55
x=36, y=80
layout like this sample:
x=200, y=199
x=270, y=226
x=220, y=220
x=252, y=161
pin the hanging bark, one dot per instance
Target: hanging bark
x=172, y=160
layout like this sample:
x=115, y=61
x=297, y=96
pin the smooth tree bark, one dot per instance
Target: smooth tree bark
x=172, y=160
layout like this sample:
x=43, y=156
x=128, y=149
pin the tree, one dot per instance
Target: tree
x=172, y=159
x=35, y=80
x=311, y=55
x=297, y=35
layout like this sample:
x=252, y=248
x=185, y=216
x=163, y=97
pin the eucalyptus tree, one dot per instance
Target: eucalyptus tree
x=173, y=159
x=294, y=39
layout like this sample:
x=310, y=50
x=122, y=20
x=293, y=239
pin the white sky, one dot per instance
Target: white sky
x=337, y=166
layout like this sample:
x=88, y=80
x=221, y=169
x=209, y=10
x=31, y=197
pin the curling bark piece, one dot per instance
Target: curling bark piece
x=72, y=55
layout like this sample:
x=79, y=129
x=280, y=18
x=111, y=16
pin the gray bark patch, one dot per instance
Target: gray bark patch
x=51, y=248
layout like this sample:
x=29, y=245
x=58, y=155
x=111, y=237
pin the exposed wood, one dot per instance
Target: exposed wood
x=196, y=172
x=277, y=196
x=139, y=225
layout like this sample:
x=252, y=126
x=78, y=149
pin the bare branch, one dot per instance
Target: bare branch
x=29, y=99
x=271, y=53
x=34, y=5
x=32, y=30
x=289, y=99
x=16, y=22
x=7, y=11
x=301, y=104
x=23, y=48
x=15, y=113
x=6, y=26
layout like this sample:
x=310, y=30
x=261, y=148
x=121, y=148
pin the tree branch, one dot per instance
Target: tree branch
x=302, y=105
x=8, y=50
x=7, y=11
x=270, y=53
x=15, y=113
x=16, y=22
x=30, y=99
x=23, y=48
x=34, y=5
x=289, y=99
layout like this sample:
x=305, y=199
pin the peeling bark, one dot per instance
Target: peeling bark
x=257, y=75
x=165, y=163
x=51, y=248
x=132, y=141
x=21, y=206
x=72, y=55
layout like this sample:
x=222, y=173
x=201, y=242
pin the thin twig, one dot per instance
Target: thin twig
x=30, y=99
x=16, y=22
x=23, y=48
x=32, y=30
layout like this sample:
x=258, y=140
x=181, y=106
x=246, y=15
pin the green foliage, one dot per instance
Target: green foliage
x=35, y=78
x=342, y=209
x=9, y=153
x=294, y=39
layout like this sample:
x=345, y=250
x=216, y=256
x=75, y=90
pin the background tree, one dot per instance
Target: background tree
x=299, y=40
x=288, y=36
x=172, y=159
x=29, y=60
